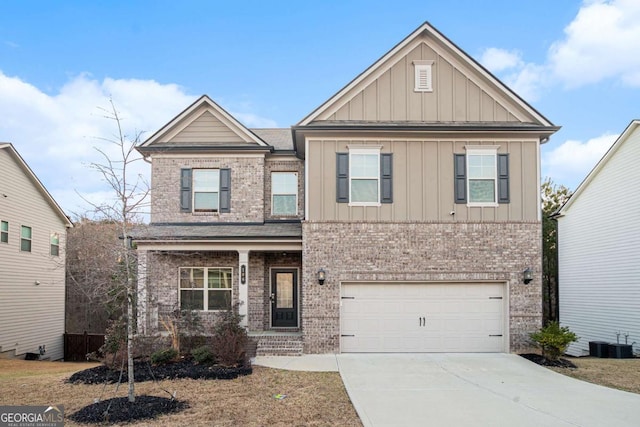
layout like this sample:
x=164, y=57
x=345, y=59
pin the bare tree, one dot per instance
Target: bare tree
x=93, y=297
x=130, y=192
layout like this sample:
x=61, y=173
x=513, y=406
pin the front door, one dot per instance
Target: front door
x=284, y=298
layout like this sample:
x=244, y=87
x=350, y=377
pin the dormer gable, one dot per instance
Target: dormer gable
x=203, y=125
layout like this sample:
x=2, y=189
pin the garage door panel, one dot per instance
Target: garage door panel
x=419, y=317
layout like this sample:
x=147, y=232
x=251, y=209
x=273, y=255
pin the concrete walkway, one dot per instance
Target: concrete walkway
x=477, y=390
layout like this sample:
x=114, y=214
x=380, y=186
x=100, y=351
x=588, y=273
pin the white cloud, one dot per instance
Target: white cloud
x=569, y=163
x=498, y=60
x=56, y=134
x=600, y=43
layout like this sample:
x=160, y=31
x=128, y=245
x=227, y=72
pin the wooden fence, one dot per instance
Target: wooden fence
x=77, y=346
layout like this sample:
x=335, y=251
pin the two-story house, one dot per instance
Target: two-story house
x=402, y=215
x=33, y=231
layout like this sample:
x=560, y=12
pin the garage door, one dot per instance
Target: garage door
x=422, y=317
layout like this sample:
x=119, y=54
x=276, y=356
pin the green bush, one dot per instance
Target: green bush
x=162, y=357
x=202, y=354
x=553, y=340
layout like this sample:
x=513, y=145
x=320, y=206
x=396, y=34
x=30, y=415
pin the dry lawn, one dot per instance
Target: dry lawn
x=623, y=374
x=313, y=398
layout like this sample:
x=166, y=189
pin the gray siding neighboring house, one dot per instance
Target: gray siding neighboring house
x=414, y=190
x=599, y=249
x=32, y=265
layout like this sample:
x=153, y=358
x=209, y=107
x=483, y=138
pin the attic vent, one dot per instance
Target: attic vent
x=423, y=76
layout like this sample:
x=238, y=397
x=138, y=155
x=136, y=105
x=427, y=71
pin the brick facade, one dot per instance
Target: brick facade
x=418, y=251
x=247, y=182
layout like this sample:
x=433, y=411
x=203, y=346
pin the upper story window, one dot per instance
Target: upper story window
x=25, y=239
x=205, y=190
x=54, y=242
x=482, y=177
x=364, y=177
x=423, y=76
x=284, y=193
x=481, y=170
x=205, y=288
x=4, y=232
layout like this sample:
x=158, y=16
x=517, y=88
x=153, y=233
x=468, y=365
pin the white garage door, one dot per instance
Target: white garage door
x=422, y=317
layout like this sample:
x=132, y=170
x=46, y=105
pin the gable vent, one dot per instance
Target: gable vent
x=423, y=76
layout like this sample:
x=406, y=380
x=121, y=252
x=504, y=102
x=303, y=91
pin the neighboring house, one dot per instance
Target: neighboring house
x=32, y=256
x=399, y=216
x=599, y=249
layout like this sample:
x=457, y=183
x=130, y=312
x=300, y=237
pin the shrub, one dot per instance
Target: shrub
x=203, y=354
x=162, y=357
x=114, y=348
x=229, y=339
x=553, y=340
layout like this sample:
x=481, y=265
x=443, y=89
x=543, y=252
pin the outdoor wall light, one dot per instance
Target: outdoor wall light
x=527, y=276
x=321, y=276
x=243, y=274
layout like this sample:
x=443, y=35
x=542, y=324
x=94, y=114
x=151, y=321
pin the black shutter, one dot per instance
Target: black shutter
x=225, y=190
x=386, y=176
x=342, y=177
x=503, y=178
x=185, y=190
x=460, y=178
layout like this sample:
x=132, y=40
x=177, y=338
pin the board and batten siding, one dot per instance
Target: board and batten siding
x=599, y=254
x=30, y=315
x=459, y=93
x=423, y=181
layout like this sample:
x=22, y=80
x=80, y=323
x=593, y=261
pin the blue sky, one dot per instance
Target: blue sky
x=270, y=63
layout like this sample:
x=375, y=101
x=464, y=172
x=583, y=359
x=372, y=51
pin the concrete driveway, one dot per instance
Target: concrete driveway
x=477, y=390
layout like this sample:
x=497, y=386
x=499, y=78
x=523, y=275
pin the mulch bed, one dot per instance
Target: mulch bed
x=543, y=361
x=144, y=371
x=119, y=409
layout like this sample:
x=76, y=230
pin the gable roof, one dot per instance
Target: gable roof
x=379, y=67
x=236, y=135
x=36, y=182
x=626, y=134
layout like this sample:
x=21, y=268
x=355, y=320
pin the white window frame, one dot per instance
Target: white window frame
x=423, y=76
x=205, y=288
x=30, y=239
x=4, y=234
x=194, y=191
x=273, y=193
x=56, y=245
x=367, y=151
x=482, y=151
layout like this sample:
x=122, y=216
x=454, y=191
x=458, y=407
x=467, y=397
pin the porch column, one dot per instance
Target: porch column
x=243, y=286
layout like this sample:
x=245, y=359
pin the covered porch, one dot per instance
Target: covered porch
x=254, y=268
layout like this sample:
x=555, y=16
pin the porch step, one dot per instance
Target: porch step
x=277, y=344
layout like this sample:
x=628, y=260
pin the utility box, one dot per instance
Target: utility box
x=599, y=349
x=620, y=351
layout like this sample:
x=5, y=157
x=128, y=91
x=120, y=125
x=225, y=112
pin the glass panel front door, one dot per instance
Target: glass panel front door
x=284, y=298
